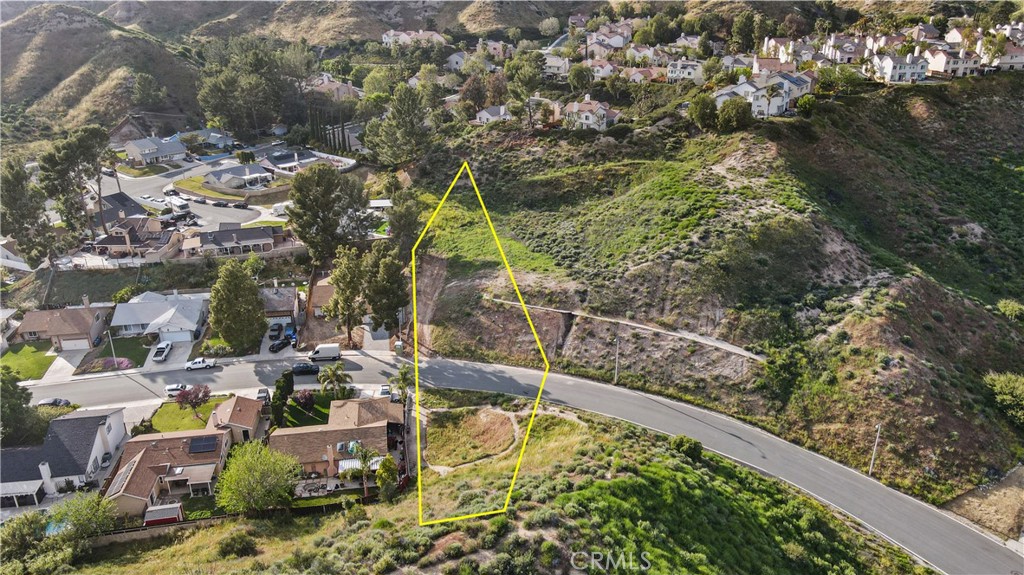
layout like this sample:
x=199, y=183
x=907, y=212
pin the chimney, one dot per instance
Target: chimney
x=175, y=291
x=44, y=473
x=85, y=300
x=234, y=238
x=586, y=98
x=275, y=282
x=917, y=50
x=978, y=47
x=910, y=58
x=963, y=53
x=121, y=215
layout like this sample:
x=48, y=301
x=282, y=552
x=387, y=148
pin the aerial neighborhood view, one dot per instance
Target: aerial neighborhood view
x=502, y=288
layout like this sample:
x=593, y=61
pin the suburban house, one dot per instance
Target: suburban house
x=326, y=84
x=155, y=466
x=374, y=424
x=589, y=115
x=67, y=328
x=242, y=416
x=208, y=138
x=600, y=50
x=894, y=69
x=456, y=61
x=556, y=66
x=843, y=49
x=280, y=304
x=762, y=65
x=175, y=317
x=232, y=239
x=407, y=37
x=141, y=236
x=1012, y=58
x=77, y=447
x=497, y=50
x=602, y=68
x=882, y=42
x=691, y=41
x=493, y=114
x=956, y=35
x=644, y=75
x=154, y=151
x=114, y=207
x=730, y=63
x=319, y=296
x=543, y=109
x=952, y=64
x=686, y=70
x=790, y=87
x=924, y=31
x=241, y=176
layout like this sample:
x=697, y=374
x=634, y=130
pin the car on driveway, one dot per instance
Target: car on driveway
x=385, y=390
x=219, y=204
x=240, y=205
x=305, y=369
x=200, y=363
x=275, y=331
x=278, y=345
x=263, y=395
x=162, y=351
x=174, y=389
x=54, y=402
x=289, y=331
x=147, y=197
x=171, y=192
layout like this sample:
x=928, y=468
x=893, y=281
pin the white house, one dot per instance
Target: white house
x=493, y=114
x=407, y=37
x=556, y=66
x=950, y=64
x=686, y=70
x=894, y=69
x=843, y=49
x=154, y=150
x=175, y=317
x=589, y=114
x=456, y=61
x=602, y=68
x=788, y=89
x=78, y=447
x=1011, y=60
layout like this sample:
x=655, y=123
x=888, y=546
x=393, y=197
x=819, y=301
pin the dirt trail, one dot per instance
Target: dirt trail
x=431, y=272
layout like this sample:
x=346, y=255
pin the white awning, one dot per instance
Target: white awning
x=17, y=488
x=346, y=464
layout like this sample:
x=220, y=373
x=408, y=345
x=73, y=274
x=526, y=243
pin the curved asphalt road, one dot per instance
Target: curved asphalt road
x=930, y=534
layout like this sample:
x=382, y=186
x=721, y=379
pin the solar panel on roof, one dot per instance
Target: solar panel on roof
x=204, y=444
x=119, y=480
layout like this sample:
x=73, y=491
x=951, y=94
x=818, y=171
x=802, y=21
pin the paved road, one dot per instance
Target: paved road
x=932, y=535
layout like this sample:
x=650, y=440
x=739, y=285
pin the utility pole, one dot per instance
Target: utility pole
x=874, y=450
x=112, y=352
x=615, y=380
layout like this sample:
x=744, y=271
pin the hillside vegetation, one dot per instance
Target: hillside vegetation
x=861, y=251
x=64, y=66
x=587, y=483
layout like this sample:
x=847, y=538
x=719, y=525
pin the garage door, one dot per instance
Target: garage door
x=176, y=336
x=283, y=320
x=69, y=344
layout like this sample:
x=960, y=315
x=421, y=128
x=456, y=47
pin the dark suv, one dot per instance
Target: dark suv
x=305, y=369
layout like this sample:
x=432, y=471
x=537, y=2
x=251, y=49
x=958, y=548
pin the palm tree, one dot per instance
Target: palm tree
x=334, y=376
x=403, y=380
x=770, y=92
x=365, y=458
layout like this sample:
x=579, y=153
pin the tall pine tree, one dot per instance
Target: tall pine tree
x=236, y=308
x=348, y=278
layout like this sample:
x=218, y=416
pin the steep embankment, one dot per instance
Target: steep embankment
x=64, y=66
x=860, y=251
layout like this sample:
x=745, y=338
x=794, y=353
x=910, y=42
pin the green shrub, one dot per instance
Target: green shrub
x=688, y=446
x=806, y=105
x=237, y=544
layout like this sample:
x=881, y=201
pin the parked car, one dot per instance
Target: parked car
x=289, y=331
x=238, y=145
x=279, y=345
x=200, y=363
x=171, y=192
x=56, y=402
x=240, y=205
x=278, y=143
x=107, y=459
x=385, y=390
x=174, y=389
x=305, y=369
x=162, y=351
x=219, y=204
x=147, y=197
x=275, y=331
x=159, y=201
x=108, y=172
x=198, y=200
x=263, y=395
x=325, y=351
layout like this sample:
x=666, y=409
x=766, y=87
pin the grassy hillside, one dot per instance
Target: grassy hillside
x=64, y=66
x=861, y=251
x=587, y=483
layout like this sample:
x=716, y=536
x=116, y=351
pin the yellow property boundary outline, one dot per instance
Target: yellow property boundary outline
x=416, y=356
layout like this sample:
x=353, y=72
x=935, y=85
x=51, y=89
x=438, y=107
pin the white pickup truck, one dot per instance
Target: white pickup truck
x=200, y=363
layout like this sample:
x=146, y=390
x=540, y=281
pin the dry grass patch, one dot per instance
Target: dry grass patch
x=465, y=435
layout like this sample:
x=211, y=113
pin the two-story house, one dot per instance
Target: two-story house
x=589, y=115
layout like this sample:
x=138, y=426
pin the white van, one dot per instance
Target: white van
x=325, y=351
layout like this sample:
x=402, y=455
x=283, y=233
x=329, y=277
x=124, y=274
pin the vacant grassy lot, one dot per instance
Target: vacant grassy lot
x=464, y=435
x=29, y=359
x=170, y=417
x=295, y=416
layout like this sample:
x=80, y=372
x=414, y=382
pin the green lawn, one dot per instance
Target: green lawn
x=170, y=417
x=294, y=416
x=259, y=223
x=195, y=185
x=150, y=170
x=200, y=507
x=29, y=359
x=129, y=347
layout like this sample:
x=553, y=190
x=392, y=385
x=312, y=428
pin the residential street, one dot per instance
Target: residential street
x=931, y=534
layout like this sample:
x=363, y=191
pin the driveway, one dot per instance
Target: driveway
x=64, y=366
x=177, y=357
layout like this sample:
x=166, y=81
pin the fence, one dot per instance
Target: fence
x=140, y=533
